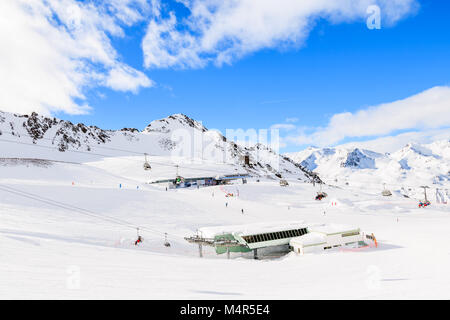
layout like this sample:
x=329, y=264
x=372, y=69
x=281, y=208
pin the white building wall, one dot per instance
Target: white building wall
x=331, y=241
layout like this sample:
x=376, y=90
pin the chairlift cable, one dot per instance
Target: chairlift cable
x=109, y=156
x=80, y=210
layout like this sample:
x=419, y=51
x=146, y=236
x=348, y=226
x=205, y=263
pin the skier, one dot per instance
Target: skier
x=242, y=210
x=226, y=204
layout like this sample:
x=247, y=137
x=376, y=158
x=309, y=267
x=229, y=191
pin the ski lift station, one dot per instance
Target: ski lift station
x=183, y=182
x=294, y=236
x=327, y=236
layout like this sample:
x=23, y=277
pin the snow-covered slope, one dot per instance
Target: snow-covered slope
x=404, y=170
x=52, y=250
x=176, y=139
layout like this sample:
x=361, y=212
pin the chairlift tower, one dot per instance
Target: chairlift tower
x=425, y=191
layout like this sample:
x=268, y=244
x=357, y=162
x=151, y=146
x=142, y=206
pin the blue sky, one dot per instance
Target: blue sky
x=338, y=67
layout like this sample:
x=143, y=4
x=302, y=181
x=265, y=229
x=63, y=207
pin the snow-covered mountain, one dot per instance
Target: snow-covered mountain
x=404, y=170
x=176, y=138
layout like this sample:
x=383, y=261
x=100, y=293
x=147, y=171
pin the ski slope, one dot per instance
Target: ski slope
x=48, y=251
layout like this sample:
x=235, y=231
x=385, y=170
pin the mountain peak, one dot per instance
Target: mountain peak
x=174, y=122
x=357, y=159
x=418, y=149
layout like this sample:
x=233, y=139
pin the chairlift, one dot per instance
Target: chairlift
x=166, y=243
x=424, y=203
x=386, y=192
x=139, y=238
x=321, y=194
x=146, y=163
x=179, y=180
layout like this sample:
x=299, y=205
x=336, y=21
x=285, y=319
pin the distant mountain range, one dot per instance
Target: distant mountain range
x=406, y=170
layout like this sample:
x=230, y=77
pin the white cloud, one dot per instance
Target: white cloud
x=125, y=78
x=51, y=50
x=424, y=111
x=222, y=31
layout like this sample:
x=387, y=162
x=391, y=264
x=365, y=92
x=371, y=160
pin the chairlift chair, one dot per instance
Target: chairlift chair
x=179, y=180
x=321, y=194
x=423, y=204
x=139, y=238
x=386, y=192
x=147, y=165
x=166, y=243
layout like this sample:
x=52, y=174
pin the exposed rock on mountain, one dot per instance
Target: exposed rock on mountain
x=406, y=169
x=176, y=136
